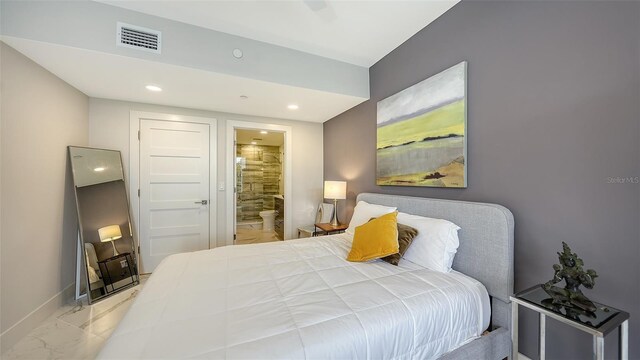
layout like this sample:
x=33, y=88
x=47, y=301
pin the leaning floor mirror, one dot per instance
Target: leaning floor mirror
x=107, y=250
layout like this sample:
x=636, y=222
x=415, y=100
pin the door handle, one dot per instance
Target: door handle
x=203, y=202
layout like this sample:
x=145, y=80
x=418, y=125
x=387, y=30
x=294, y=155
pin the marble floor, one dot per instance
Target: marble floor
x=76, y=330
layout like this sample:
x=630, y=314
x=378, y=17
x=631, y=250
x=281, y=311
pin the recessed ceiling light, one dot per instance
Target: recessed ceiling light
x=244, y=97
x=98, y=169
x=264, y=132
x=153, y=88
x=253, y=143
x=292, y=107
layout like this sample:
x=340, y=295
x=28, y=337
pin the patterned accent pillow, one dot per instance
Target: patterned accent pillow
x=406, y=234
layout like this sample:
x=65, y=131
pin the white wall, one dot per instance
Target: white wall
x=41, y=115
x=109, y=128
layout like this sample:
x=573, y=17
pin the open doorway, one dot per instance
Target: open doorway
x=259, y=184
x=259, y=172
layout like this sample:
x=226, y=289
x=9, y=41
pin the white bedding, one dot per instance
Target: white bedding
x=298, y=299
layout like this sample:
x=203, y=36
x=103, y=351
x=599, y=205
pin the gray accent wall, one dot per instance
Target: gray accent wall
x=553, y=135
x=41, y=115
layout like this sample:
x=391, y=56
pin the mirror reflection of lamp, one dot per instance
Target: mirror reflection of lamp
x=110, y=234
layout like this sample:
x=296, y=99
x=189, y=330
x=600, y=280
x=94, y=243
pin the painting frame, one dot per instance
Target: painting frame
x=421, y=133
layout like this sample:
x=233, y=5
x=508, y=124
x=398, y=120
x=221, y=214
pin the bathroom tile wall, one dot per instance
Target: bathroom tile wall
x=258, y=170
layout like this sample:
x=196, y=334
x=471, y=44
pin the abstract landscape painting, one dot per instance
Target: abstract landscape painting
x=422, y=133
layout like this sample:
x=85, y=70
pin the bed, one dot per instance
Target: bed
x=301, y=299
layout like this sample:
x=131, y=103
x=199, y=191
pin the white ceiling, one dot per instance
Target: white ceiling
x=336, y=41
x=109, y=76
x=356, y=32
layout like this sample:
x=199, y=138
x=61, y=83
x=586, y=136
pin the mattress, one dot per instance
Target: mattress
x=298, y=299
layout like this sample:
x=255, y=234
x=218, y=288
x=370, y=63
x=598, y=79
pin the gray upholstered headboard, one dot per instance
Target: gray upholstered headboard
x=486, y=242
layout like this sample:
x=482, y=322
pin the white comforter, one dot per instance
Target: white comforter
x=298, y=299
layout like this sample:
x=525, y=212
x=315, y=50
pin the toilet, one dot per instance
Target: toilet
x=268, y=219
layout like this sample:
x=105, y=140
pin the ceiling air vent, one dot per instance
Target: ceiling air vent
x=136, y=37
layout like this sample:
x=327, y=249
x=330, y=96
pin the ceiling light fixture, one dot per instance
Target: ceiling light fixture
x=264, y=132
x=98, y=169
x=253, y=143
x=153, y=88
x=237, y=53
x=292, y=107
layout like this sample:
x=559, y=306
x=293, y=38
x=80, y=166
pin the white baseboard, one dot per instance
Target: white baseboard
x=24, y=326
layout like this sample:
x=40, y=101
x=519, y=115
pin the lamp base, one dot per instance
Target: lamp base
x=115, y=252
x=334, y=218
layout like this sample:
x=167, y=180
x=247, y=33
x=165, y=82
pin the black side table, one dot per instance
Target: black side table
x=602, y=322
x=124, y=268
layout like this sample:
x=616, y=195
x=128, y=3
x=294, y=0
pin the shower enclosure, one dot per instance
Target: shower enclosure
x=258, y=179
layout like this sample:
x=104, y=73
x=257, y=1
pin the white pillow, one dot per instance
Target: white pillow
x=436, y=243
x=364, y=211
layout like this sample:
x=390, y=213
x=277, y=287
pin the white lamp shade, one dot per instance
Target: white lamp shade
x=109, y=233
x=335, y=190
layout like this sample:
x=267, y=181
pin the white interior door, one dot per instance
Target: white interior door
x=174, y=189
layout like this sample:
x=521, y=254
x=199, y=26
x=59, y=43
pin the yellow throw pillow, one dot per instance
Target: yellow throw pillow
x=375, y=239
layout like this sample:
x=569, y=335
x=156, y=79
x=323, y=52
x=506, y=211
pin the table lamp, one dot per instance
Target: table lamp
x=336, y=190
x=110, y=233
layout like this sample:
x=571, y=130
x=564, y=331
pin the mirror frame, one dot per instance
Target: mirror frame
x=81, y=246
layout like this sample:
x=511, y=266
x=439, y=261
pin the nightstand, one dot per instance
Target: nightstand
x=115, y=269
x=602, y=322
x=329, y=229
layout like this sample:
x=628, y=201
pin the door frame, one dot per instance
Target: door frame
x=232, y=125
x=134, y=165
